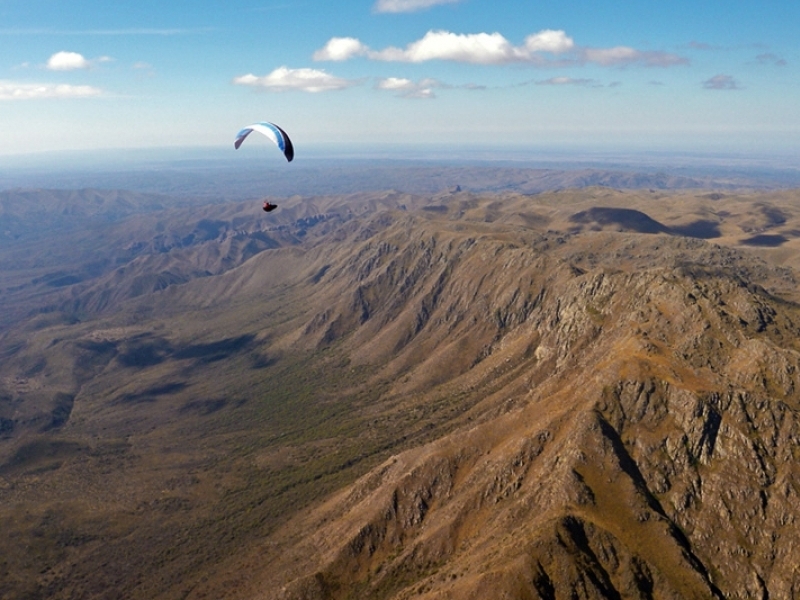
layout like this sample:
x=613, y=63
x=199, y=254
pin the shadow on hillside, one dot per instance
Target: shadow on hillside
x=152, y=394
x=41, y=455
x=215, y=351
x=766, y=240
x=61, y=412
x=148, y=351
x=774, y=216
x=705, y=230
x=626, y=219
x=144, y=351
x=203, y=407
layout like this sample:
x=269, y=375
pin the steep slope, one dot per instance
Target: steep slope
x=637, y=425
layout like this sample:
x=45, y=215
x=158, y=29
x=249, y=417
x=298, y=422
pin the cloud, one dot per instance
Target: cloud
x=721, y=82
x=771, y=59
x=549, y=40
x=407, y=6
x=67, y=61
x=695, y=45
x=341, y=48
x=625, y=55
x=479, y=48
x=424, y=88
x=545, y=48
x=284, y=79
x=568, y=81
x=72, y=61
x=406, y=88
x=395, y=83
x=10, y=90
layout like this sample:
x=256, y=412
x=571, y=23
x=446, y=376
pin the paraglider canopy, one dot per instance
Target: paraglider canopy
x=273, y=132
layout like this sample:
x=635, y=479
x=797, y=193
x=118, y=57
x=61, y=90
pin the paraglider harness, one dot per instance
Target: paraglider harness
x=268, y=207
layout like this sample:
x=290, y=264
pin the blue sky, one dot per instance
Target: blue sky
x=637, y=74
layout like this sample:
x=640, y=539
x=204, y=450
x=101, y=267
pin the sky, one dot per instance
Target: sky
x=640, y=74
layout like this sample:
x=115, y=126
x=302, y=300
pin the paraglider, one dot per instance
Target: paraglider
x=273, y=132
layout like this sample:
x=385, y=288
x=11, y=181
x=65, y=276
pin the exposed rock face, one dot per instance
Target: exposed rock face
x=637, y=438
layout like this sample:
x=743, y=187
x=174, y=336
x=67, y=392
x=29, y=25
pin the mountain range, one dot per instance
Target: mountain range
x=577, y=393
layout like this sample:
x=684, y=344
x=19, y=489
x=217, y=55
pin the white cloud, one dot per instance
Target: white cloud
x=424, y=88
x=67, y=61
x=549, y=40
x=284, y=79
x=407, y=6
x=480, y=48
x=493, y=48
x=341, y=48
x=73, y=61
x=395, y=83
x=10, y=90
x=406, y=88
x=721, y=82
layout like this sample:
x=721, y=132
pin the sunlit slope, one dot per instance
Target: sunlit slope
x=636, y=420
x=388, y=396
x=594, y=478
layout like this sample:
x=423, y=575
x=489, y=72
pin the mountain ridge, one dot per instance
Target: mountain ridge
x=408, y=502
x=448, y=396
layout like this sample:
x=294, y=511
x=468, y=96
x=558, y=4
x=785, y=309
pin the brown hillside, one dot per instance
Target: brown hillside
x=579, y=394
x=634, y=436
